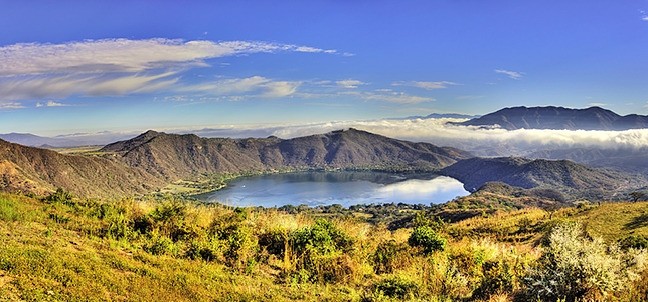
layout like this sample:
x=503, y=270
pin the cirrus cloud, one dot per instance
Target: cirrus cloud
x=124, y=55
x=119, y=66
x=515, y=75
x=258, y=85
x=349, y=83
x=426, y=85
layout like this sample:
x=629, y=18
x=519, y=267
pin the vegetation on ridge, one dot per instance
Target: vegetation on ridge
x=61, y=248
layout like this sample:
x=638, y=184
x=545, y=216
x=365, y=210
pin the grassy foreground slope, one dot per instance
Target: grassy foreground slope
x=59, y=249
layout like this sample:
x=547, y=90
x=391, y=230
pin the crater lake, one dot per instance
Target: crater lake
x=345, y=188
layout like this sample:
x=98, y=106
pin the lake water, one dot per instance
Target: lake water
x=345, y=188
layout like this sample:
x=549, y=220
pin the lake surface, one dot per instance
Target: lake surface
x=345, y=188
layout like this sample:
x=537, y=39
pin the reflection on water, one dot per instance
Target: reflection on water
x=345, y=188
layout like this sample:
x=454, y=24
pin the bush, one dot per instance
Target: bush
x=274, y=242
x=203, y=249
x=634, y=241
x=390, y=256
x=160, y=245
x=242, y=249
x=59, y=195
x=319, y=251
x=397, y=287
x=574, y=267
x=323, y=237
x=426, y=238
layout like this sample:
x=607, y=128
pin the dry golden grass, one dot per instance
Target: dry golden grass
x=64, y=251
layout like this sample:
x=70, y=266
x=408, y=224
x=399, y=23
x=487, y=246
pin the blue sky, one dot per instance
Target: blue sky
x=87, y=66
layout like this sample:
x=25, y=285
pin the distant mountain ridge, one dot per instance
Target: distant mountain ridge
x=63, y=141
x=550, y=117
x=32, y=140
x=563, y=175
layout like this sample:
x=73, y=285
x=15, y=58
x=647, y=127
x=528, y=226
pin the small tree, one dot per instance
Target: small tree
x=427, y=238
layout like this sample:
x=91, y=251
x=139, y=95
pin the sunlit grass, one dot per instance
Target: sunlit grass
x=150, y=250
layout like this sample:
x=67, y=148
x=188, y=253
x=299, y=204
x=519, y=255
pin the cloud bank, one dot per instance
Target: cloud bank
x=437, y=131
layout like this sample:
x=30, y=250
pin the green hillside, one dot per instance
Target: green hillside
x=63, y=249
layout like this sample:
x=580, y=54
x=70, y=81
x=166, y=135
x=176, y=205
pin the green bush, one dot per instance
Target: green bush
x=428, y=239
x=203, y=249
x=59, y=195
x=498, y=277
x=389, y=256
x=397, y=287
x=320, y=250
x=274, y=242
x=323, y=237
x=242, y=248
x=160, y=245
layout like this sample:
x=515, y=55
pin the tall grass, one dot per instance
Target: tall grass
x=131, y=250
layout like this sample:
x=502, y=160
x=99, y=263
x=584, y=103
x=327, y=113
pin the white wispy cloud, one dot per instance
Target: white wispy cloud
x=50, y=103
x=349, y=83
x=390, y=96
x=256, y=86
x=426, y=85
x=118, y=66
x=11, y=105
x=60, y=86
x=596, y=104
x=124, y=55
x=511, y=74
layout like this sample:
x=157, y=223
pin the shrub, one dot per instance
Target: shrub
x=634, y=241
x=428, y=239
x=203, y=249
x=319, y=250
x=274, y=242
x=242, y=249
x=59, y=195
x=160, y=245
x=397, y=287
x=574, y=267
x=323, y=237
x=389, y=256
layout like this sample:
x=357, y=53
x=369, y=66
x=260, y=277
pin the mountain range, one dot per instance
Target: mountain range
x=572, y=179
x=550, y=117
x=153, y=159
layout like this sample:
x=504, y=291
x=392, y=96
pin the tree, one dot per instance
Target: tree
x=427, y=238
